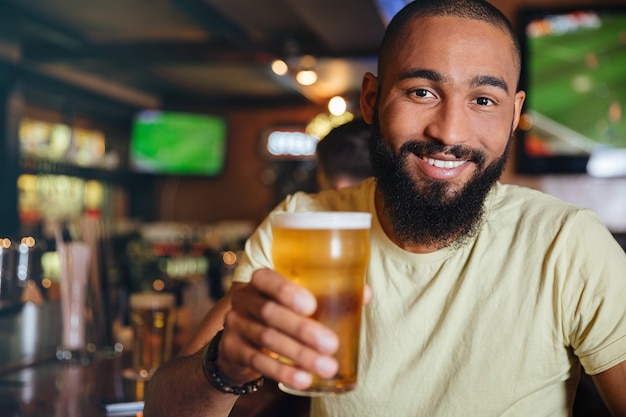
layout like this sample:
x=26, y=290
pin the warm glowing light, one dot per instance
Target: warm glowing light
x=337, y=106
x=94, y=195
x=306, y=77
x=28, y=241
x=158, y=285
x=525, y=122
x=279, y=67
x=229, y=257
x=325, y=122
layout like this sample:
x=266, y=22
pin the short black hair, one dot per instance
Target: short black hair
x=470, y=9
x=345, y=151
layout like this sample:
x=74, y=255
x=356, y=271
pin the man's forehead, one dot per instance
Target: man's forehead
x=430, y=35
x=425, y=26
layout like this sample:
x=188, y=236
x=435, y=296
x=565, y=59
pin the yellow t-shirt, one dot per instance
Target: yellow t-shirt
x=496, y=327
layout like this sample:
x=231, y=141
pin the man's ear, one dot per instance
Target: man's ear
x=520, y=96
x=369, y=91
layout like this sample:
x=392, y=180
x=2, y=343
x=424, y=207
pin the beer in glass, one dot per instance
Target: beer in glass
x=152, y=317
x=327, y=253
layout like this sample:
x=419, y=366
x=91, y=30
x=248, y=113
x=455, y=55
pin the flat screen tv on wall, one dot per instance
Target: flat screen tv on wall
x=574, y=74
x=177, y=143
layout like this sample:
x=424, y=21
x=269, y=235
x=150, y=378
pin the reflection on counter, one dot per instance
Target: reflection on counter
x=54, y=389
x=29, y=333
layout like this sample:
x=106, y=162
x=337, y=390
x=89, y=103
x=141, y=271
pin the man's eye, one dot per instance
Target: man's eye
x=421, y=92
x=484, y=101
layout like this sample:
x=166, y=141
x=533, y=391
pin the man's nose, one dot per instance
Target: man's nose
x=449, y=123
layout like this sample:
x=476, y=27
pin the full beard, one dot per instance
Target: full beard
x=427, y=212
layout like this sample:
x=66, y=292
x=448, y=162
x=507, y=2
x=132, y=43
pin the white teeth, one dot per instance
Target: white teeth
x=442, y=164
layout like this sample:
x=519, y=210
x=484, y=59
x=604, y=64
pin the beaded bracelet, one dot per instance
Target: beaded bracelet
x=215, y=377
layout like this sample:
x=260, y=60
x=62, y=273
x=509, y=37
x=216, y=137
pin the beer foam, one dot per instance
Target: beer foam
x=322, y=220
x=151, y=300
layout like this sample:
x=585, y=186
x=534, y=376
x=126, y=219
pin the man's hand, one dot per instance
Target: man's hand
x=270, y=318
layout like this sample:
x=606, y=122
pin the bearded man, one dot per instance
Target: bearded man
x=488, y=299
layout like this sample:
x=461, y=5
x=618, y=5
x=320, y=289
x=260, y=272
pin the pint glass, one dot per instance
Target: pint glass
x=327, y=253
x=152, y=317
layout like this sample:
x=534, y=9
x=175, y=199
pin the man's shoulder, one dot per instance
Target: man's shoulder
x=518, y=203
x=505, y=195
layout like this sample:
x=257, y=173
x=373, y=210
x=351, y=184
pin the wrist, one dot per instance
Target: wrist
x=217, y=379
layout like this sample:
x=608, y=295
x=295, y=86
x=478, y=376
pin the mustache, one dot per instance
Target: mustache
x=422, y=148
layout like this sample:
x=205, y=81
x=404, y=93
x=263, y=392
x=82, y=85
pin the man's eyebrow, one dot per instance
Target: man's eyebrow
x=422, y=73
x=491, y=81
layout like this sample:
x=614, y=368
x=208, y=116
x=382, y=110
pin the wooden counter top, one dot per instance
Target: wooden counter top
x=55, y=389
x=35, y=384
x=52, y=388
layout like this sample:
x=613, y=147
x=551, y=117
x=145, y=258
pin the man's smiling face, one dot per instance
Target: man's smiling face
x=444, y=107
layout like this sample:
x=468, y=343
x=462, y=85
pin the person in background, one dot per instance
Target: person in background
x=488, y=299
x=343, y=155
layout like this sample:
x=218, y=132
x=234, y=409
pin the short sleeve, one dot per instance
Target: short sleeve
x=592, y=270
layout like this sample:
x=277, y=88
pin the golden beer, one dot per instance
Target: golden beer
x=327, y=253
x=152, y=317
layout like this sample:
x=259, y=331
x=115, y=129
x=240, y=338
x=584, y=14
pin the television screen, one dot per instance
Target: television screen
x=164, y=142
x=574, y=74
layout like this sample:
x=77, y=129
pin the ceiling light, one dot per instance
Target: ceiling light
x=337, y=106
x=279, y=67
x=306, y=77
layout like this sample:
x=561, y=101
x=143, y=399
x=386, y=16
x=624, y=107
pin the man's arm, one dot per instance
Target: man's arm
x=179, y=387
x=267, y=318
x=611, y=385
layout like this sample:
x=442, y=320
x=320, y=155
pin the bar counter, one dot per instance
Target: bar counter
x=52, y=388
x=34, y=383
